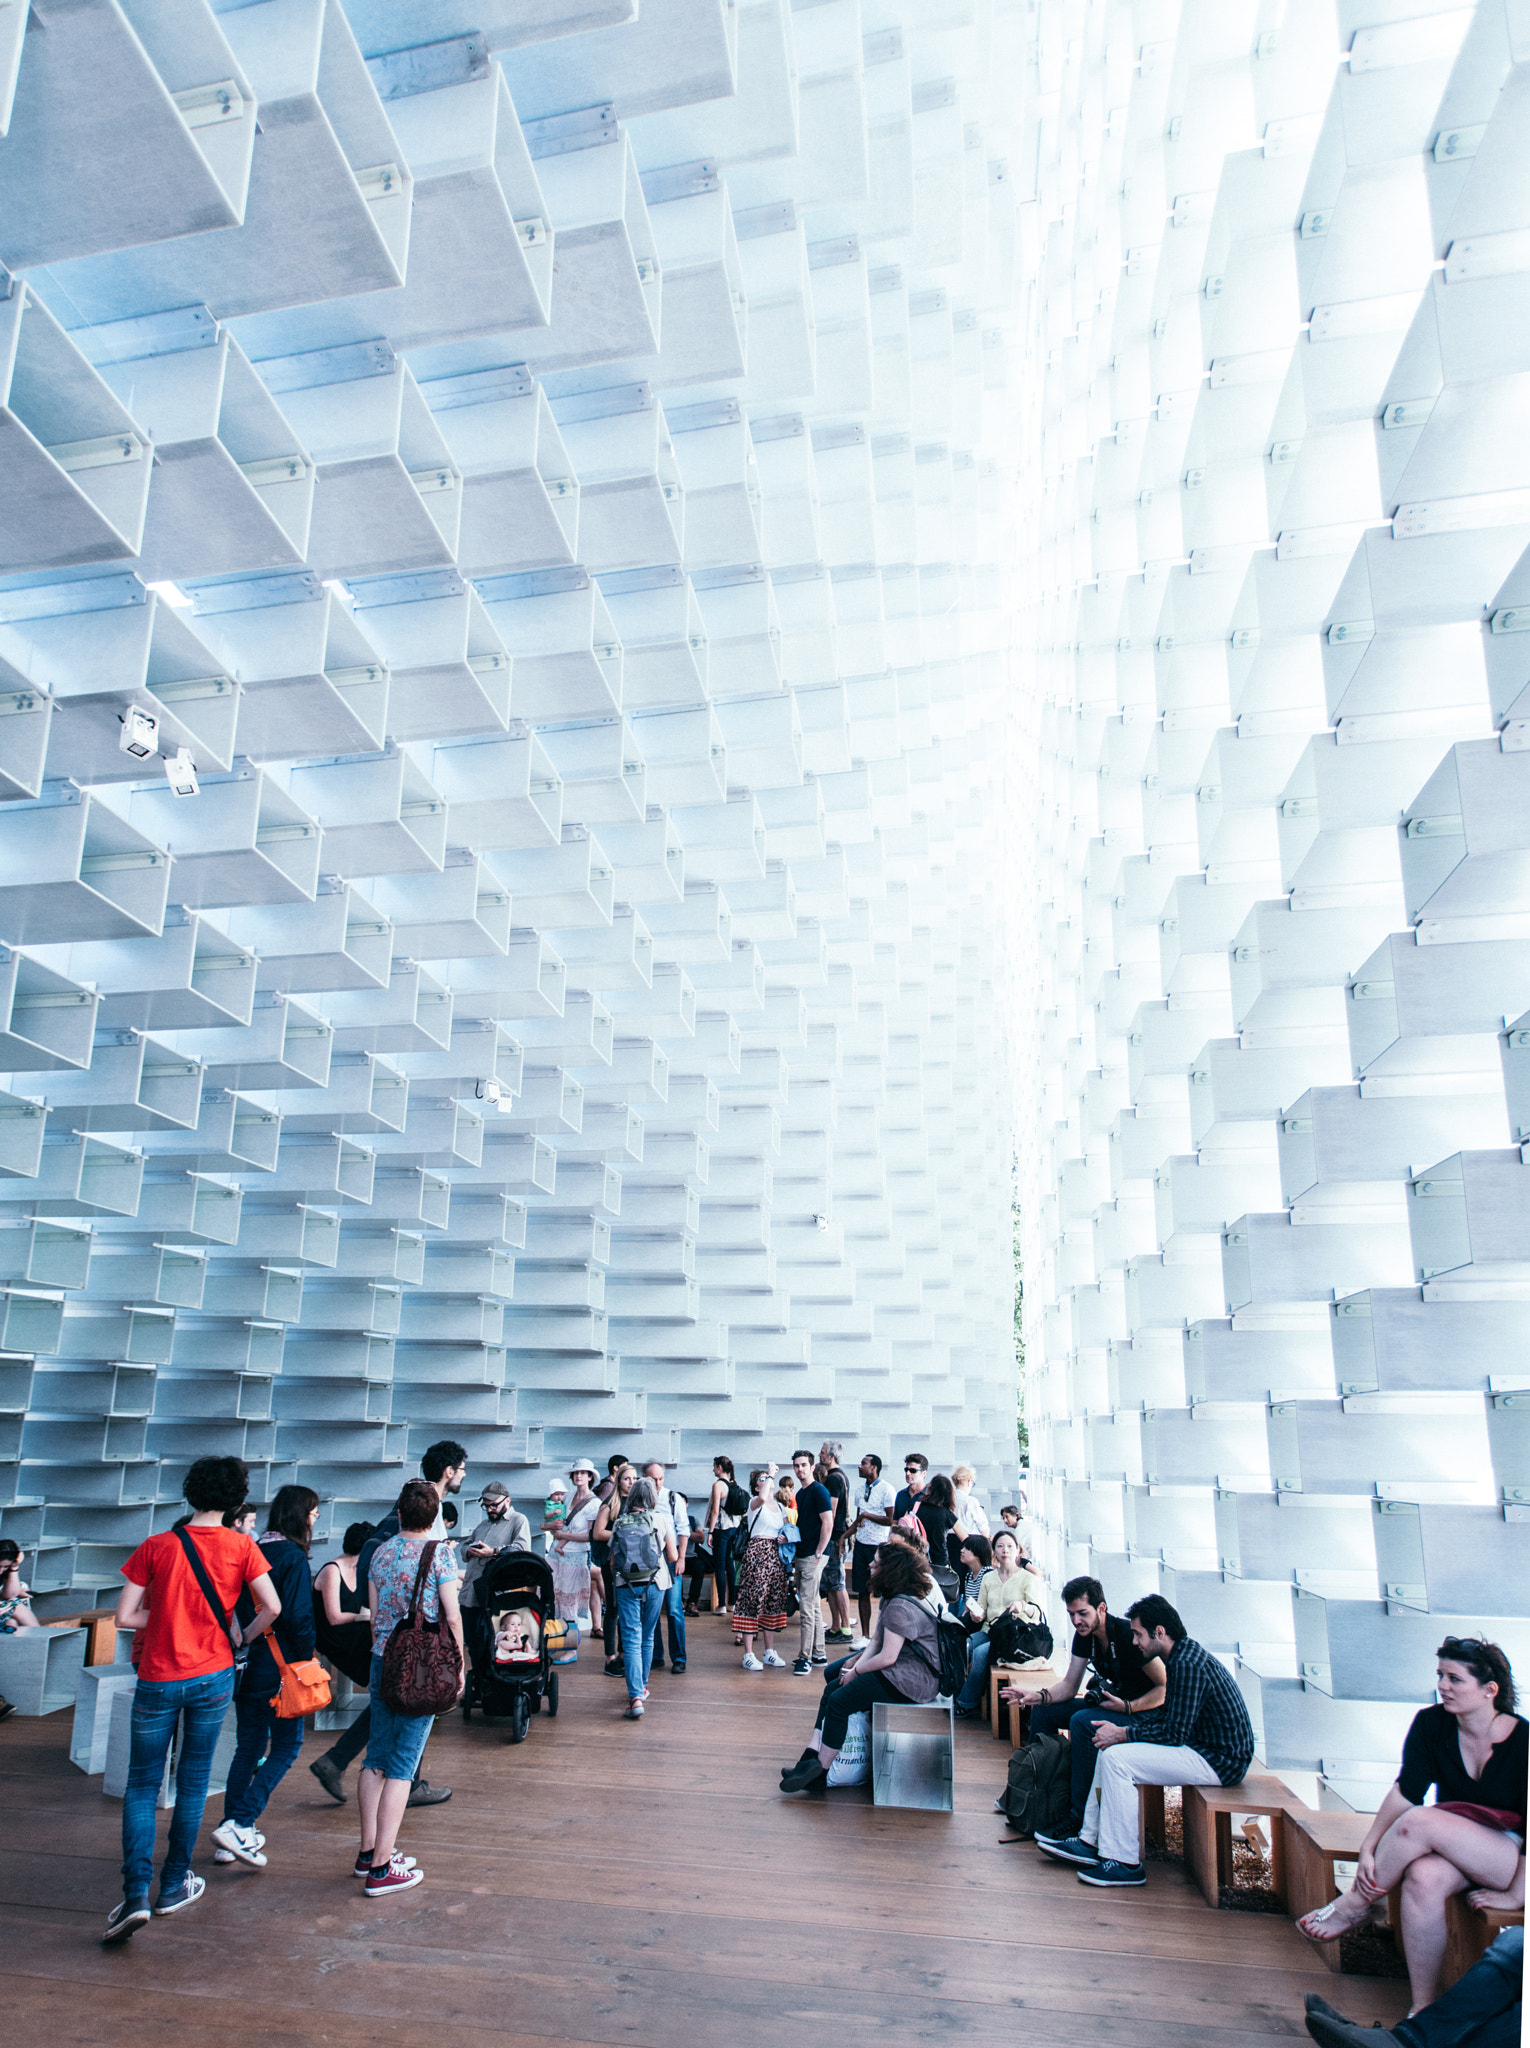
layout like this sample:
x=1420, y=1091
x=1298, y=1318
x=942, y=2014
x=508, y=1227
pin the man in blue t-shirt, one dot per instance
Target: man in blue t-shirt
x=815, y=1531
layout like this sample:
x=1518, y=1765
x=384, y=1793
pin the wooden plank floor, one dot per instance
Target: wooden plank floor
x=609, y=1882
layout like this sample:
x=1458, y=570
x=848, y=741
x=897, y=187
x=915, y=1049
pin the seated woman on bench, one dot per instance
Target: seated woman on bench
x=1471, y=1750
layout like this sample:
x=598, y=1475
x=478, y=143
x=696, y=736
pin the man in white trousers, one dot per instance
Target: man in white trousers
x=1201, y=1735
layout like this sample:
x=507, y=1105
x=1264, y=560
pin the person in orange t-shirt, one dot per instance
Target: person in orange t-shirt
x=185, y=1667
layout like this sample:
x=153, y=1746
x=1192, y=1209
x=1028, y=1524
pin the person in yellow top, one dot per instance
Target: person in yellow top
x=1001, y=1580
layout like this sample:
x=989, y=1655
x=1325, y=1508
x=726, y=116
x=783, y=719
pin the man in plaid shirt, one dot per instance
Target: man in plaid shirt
x=1201, y=1735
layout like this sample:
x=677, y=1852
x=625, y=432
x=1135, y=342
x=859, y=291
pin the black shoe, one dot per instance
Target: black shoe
x=807, y=1757
x=422, y=1794
x=7, y=1708
x=802, y=1667
x=1314, y=2004
x=657, y=1664
x=1110, y=1873
x=614, y=1667
x=330, y=1776
x=125, y=1919
x=805, y=1776
x=675, y=1670
x=1331, y=2030
x=820, y=1660
x=186, y=1893
x=968, y=1713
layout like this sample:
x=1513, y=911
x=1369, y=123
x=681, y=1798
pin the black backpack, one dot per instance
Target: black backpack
x=1013, y=1640
x=955, y=1652
x=1036, y=1798
x=735, y=1500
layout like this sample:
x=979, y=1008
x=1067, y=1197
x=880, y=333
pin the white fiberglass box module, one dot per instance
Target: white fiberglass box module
x=505, y=703
x=1275, y=577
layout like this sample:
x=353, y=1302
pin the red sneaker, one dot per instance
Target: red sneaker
x=398, y=1877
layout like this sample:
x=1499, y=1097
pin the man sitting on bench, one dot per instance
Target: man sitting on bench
x=1122, y=1685
x=1201, y=1735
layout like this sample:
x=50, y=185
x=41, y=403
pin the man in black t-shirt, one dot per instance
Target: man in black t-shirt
x=815, y=1529
x=832, y=1584
x=1129, y=1684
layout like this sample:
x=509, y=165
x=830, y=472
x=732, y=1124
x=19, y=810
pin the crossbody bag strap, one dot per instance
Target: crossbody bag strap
x=199, y=1570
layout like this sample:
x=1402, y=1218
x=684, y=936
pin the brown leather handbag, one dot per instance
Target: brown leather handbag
x=422, y=1665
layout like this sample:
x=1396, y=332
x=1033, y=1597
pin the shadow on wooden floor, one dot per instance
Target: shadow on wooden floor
x=611, y=1882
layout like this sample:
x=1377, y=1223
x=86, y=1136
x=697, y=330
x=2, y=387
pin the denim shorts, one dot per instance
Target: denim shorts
x=396, y=1742
x=833, y=1580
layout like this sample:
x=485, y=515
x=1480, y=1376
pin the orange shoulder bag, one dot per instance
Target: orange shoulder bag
x=304, y=1688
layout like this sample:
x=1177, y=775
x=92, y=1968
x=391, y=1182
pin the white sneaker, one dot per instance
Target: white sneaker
x=772, y=1658
x=860, y=1642
x=242, y=1843
x=228, y=1856
x=752, y=1662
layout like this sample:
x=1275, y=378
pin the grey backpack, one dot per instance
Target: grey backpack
x=636, y=1552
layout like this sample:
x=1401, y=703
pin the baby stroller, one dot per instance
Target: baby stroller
x=512, y=1668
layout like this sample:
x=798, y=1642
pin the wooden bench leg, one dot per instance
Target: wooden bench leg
x=1150, y=1818
x=1202, y=1846
x=1279, y=1883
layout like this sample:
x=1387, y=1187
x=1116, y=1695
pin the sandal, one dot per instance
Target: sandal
x=1310, y=1924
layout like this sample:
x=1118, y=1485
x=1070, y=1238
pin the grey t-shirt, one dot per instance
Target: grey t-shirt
x=916, y=1672
x=511, y=1532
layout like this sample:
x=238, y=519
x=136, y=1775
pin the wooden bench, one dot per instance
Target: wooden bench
x=1208, y=1812
x=1009, y=1718
x=1469, y=1933
x=1315, y=1840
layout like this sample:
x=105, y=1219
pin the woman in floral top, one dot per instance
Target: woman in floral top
x=396, y=1741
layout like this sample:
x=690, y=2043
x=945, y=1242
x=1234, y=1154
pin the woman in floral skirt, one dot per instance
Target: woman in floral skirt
x=762, y=1586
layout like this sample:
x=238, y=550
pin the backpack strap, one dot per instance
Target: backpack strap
x=199, y=1570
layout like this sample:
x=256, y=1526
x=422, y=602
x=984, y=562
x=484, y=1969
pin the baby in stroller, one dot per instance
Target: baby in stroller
x=517, y=1637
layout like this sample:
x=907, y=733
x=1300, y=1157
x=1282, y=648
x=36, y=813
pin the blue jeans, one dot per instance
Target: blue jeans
x=395, y=1742
x=673, y=1616
x=1059, y=1715
x=1483, y=2007
x=264, y=1753
x=971, y=1694
x=156, y=1708
x=639, y=1608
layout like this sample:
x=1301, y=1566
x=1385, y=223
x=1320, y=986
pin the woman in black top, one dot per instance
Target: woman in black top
x=936, y=1509
x=1472, y=1750
x=267, y=1745
x=343, y=1630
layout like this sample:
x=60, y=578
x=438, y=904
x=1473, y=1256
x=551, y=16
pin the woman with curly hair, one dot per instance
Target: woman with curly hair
x=1470, y=1750
x=901, y=1663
